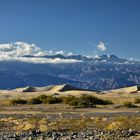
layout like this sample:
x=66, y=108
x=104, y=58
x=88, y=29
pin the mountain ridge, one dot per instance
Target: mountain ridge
x=93, y=73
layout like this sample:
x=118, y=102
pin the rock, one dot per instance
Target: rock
x=86, y=134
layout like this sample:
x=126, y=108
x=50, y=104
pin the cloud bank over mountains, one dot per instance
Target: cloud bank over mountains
x=18, y=51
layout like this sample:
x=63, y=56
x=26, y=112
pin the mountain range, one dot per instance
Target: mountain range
x=100, y=73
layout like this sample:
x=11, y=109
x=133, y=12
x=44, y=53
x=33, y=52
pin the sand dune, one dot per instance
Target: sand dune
x=126, y=90
x=53, y=88
x=66, y=90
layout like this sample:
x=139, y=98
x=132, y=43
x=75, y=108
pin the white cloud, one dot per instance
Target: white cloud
x=101, y=47
x=51, y=52
x=70, y=53
x=60, y=52
x=39, y=60
x=18, y=51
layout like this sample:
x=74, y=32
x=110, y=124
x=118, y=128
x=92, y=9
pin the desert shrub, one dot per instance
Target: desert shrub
x=73, y=102
x=68, y=99
x=34, y=101
x=85, y=104
x=53, y=100
x=85, y=101
x=137, y=100
x=38, y=100
x=42, y=97
x=94, y=100
x=18, y=101
x=56, y=94
x=129, y=105
x=138, y=87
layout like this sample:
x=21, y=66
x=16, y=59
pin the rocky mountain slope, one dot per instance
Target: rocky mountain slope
x=95, y=73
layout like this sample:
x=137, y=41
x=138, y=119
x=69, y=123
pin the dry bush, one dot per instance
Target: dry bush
x=129, y=105
x=137, y=100
x=34, y=101
x=53, y=100
x=18, y=101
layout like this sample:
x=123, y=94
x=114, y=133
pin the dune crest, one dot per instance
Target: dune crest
x=52, y=88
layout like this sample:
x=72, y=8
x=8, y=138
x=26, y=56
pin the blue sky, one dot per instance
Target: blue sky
x=73, y=25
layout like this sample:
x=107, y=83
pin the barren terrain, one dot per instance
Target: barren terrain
x=55, y=118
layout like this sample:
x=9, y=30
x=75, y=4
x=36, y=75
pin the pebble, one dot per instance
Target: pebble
x=64, y=135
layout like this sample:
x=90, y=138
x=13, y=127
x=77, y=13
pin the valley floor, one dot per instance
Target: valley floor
x=56, y=111
x=64, y=122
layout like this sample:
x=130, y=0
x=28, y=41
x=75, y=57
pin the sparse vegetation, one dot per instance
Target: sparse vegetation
x=73, y=102
x=34, y=122
x=85, y=104
x=42, y=98
x=53, y=100
x=129, y=105
x=83, y=101
x=138, y=87
x=94, y=100
x=34, y=101
x=137, y=100
x=68, y=99
x=18, y=101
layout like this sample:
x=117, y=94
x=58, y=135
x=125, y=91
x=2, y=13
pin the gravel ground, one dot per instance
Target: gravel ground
x=64, y=135
x=55, y=112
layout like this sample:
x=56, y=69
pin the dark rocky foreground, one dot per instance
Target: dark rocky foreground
x=127, y=134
